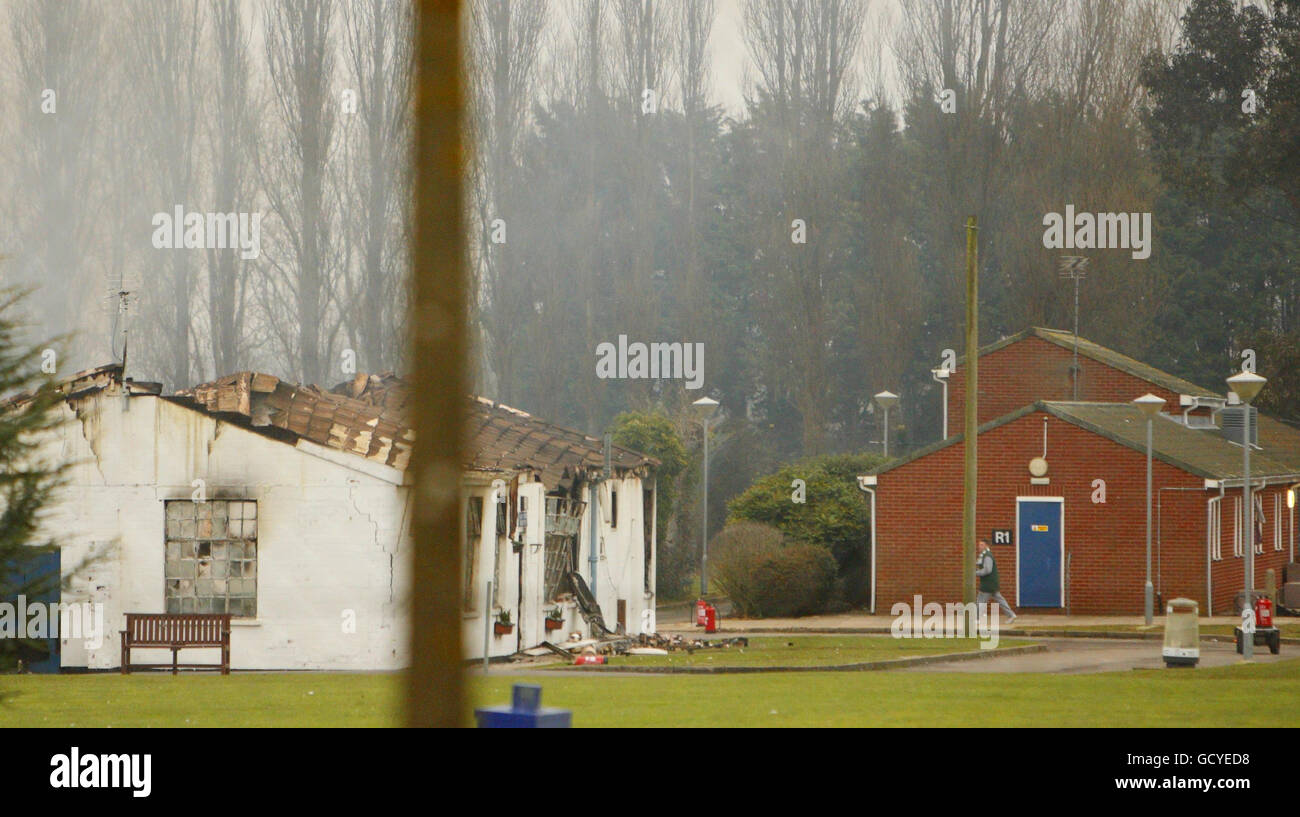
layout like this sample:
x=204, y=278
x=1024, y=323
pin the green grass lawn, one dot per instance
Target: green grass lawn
x=1199, y=697
x=806, y=651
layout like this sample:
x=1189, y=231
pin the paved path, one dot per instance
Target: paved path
x=1067, y=656
x=1071, y=656
x=679, y=617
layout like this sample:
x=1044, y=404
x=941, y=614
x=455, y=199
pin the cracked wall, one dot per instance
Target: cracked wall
x=331, y=541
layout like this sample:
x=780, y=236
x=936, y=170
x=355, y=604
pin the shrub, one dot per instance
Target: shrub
x=735, y=555
x=795, y=581
x=835, y=513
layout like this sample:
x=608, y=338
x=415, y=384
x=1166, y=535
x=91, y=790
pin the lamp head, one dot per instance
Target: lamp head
x=1150, y=404
x=1246, y=385
x=704, y=407
x=887, y=400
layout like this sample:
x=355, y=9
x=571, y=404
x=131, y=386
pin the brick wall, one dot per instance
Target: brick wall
x=1034, y=369
x=1230, y=571
x=919, y=515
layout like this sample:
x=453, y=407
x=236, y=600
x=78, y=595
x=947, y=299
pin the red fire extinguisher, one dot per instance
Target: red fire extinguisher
x=1263, y=612
x=701, y=607
x=710, y=619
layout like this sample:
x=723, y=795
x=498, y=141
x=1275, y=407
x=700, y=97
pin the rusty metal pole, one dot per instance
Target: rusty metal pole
x=435, y=692
x=970, y=440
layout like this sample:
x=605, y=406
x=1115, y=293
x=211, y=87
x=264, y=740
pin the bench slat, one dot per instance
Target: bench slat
x=176, y=631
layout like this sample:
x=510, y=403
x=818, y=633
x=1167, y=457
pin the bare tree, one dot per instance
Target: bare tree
x=231, y=138
x=377, y=63
x=166, y=44
x=642, y=49
x=803, y=51
x=505, y=42
x=691, y=27
x=55, y=132
x=303, y=267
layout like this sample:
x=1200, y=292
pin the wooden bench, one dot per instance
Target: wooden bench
x=175, y=632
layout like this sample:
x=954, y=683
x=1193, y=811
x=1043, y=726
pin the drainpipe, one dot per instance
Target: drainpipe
x=941, y=376
x=593, y=531
x=1217, y=502
x=868, y=483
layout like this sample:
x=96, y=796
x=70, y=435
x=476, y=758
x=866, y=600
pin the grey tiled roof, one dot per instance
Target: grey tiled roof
x=1199, y=451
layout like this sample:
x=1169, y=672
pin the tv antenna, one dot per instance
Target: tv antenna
x=121, y=323
x=1075, y=266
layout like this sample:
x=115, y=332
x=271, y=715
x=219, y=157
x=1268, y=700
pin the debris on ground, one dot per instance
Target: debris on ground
x=618, y=644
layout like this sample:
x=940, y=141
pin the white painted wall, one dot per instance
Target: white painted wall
x=330, y=538
x=620, y=564
x=333, y=542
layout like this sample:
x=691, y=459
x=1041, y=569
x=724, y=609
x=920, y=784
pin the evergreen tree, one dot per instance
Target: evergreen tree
x=26, y=481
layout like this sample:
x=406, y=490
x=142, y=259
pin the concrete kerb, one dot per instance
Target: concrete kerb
x=866, y=666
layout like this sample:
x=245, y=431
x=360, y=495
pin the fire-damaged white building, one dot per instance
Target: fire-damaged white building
x=288, y=507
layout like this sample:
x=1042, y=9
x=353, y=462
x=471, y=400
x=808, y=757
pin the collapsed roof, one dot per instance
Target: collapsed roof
x=507, y=439
x=370, y=416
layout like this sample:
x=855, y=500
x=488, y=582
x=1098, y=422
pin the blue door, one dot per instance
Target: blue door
x=1038, y=562
x=35, y=572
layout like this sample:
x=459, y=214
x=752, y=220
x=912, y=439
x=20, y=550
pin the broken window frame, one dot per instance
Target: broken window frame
x=217, y=541
x=560, y=550
x=473, y=534
x=647, y=536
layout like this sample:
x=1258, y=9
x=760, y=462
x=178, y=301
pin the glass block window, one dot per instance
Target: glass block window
x=211, y=557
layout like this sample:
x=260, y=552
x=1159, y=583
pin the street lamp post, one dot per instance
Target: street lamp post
x=1150, y=406
x=887, y=400
x=1247, y=386
x=704, y=409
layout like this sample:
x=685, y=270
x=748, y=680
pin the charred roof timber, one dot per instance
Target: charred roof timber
x=369, y=416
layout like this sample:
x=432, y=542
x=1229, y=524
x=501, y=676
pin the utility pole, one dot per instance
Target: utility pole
x=969, y=485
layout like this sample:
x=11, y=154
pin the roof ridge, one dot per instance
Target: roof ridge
x=1104, y=355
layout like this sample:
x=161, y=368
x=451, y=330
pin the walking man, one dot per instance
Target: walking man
x=986, y=568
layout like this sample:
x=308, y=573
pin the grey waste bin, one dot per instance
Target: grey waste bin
x=1182, y=646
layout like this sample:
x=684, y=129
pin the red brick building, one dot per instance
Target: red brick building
x=1036, y=365
x=1072, y=537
